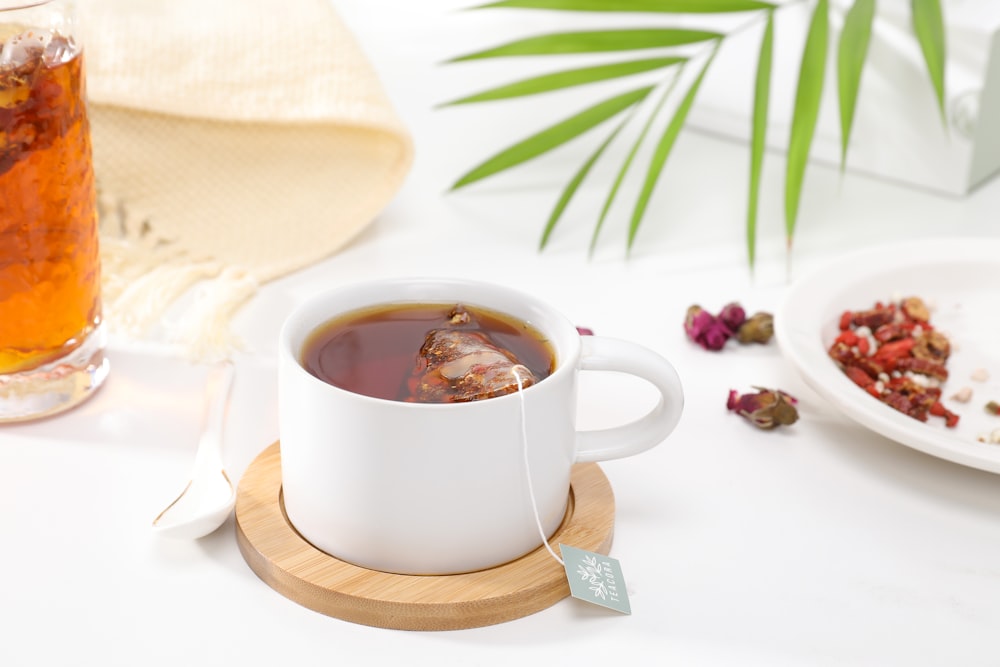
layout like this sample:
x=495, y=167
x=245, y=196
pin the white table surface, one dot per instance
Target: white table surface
x=819, y=544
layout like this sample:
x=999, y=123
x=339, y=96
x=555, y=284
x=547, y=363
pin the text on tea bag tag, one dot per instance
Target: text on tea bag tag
x=592, y=577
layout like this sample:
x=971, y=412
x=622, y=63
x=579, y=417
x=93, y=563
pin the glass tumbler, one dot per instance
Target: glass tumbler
x=51, y=339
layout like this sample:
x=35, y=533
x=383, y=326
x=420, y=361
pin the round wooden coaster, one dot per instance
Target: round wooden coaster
x=292, y=566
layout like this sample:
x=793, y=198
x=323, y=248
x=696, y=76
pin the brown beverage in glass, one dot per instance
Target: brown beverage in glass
x=50, y=309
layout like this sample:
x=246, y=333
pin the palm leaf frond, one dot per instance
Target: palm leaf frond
x=553, y=136
x=663, y=148
x=758, y=132
x=568, y=78
x=928, y=25
x=664, y=6
x=623, y=170
x=594, y=41
x=808, y=93
x=851, y=52
x=574, y=185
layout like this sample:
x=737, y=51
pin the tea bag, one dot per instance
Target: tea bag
x=455, y=365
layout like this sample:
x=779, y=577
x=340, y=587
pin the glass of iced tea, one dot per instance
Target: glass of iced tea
x=51, y=340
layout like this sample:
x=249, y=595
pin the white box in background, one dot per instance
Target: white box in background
x=898, y=133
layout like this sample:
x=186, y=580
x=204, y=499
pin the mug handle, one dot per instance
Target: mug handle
x=610, y=354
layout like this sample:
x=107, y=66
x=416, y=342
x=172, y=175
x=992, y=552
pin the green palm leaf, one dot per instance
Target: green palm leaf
x=663, y=148
x=568, y=78
x=758, y=136
x=928, y=25
x=574, y=184
x=666, y=6
x=851, y=53
x=613, y=192
x=857, y=33
x=807, y=100
x=553, y=136
x=593, y=41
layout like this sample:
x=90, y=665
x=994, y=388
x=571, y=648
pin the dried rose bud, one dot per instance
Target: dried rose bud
x=696, y=320
x=758, y=329
x=993, y=408
x=715, y=337
x=584, y=331
x=765, y=409
x=704, y=329
x=732, y=316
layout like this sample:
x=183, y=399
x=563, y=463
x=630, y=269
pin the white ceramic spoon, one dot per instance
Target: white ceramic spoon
x=209, y=497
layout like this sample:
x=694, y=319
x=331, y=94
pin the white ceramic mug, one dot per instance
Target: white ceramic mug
x=420, y=488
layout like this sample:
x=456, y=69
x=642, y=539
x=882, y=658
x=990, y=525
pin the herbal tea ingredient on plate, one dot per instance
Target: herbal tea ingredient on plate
x=893, y=352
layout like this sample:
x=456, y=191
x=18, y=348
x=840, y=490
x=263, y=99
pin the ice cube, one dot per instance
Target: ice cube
x=24, y=50
x=59, y=50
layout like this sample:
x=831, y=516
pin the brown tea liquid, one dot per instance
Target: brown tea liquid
x=49, y=264
x=373, y=351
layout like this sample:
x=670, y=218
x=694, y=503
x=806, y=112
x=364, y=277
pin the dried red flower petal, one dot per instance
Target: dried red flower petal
x=766, y=409
x=584, y=331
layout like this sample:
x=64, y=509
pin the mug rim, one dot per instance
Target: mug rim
x=567, y=348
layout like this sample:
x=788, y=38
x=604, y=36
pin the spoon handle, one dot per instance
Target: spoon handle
x=217, y=388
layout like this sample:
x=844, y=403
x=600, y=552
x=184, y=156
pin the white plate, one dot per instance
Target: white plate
x=960, y=280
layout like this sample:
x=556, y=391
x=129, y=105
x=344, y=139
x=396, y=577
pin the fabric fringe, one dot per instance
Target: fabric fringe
x=153, y=289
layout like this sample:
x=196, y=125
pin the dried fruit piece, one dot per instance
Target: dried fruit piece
x=915, y=308
x=993, y=408
x=932, y=345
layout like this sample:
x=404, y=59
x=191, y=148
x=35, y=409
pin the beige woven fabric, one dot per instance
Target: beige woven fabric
x=234, y=142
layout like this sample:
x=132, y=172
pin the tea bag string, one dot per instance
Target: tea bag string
x=516, y=372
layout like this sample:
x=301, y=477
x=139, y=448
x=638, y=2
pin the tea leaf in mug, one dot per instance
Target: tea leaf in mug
x=762, y=94
x=666, y=6
x=553, y=136
x=928, y=25
x=568, y=78
x=851, y=54
x=593, y=41
x=807, y=99
x=664, y=147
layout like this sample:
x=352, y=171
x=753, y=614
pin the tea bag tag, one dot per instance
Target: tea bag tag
x=592, y=577
x=595, y=578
